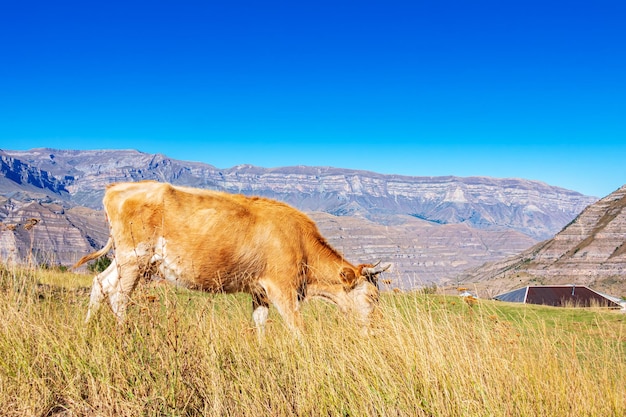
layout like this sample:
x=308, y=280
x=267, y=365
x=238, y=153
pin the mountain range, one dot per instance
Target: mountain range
x=429, y=228
x=591, y=251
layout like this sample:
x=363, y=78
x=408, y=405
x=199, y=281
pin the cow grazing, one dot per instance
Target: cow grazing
x=219, y=242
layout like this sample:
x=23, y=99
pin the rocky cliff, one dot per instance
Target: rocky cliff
x=18, y=177
x=41, y=233
x=591, y=251
x=421, y=252
x=531, y=207
x=429, y=228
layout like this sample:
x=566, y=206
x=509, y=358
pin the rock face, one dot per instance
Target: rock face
x=421, y=252
x=46, y=233
x=590, y=251
x=531, y=207
x=429, y=228
x=16, y=176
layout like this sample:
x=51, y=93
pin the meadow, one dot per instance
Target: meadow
x=186, y=353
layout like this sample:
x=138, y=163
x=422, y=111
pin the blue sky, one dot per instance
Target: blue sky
x=527, y=89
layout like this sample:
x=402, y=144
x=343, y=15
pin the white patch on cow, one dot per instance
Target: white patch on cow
x=105, y=283
x=141, y=249
x=260, y=315
x=118, y=302
x=160, y=250
x=169, y=268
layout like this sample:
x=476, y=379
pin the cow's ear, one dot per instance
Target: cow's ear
x=348, y=277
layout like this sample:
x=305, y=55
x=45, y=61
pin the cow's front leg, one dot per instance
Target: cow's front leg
x=260, y=311
x=286, y=302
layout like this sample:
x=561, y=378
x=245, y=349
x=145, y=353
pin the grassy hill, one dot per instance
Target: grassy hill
x=189, y=353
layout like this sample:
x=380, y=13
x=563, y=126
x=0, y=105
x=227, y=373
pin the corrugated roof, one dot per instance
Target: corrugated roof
x=558, y=295
x=515, y=296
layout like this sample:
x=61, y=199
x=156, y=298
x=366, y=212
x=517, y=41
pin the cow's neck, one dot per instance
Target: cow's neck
x=324, y=281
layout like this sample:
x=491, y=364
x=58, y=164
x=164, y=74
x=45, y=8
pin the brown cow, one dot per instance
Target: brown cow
x=219, y=242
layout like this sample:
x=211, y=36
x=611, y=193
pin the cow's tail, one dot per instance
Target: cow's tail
x=95, y=255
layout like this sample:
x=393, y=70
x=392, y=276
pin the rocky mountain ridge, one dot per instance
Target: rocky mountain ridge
x=531, y=207
x=19, y=176
x=591, y=250
x=429, y=228
x=46, y=233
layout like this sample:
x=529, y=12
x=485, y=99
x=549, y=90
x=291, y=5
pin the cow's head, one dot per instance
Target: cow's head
x=361, y=285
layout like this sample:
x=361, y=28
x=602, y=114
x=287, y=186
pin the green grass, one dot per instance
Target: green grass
x=187, y=353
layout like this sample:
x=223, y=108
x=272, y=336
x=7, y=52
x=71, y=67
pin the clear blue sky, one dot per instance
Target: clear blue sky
x=527, y=89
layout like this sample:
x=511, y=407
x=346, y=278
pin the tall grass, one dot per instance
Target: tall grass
x=187, y=353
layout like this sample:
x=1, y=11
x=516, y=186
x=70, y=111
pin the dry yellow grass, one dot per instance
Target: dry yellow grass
x=185, y=354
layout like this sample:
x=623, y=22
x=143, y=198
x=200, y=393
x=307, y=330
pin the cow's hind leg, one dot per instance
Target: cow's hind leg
x=129, y=275
x=117, y=283
x=104, y=284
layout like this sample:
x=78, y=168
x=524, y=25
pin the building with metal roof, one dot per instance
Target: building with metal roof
x=559, y=296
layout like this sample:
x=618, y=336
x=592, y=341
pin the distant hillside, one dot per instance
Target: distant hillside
x=530, y=207
x=591, y=251
x=430, y=228
x=46, y=233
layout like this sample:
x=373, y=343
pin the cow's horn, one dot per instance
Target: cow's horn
x=375, y=270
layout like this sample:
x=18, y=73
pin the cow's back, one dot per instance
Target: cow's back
x=134, y=211
x=209, y=239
